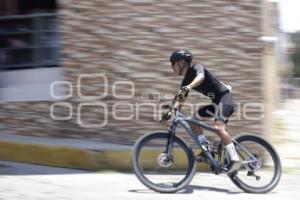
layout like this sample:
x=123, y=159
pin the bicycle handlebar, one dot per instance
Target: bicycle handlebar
x=174, y=105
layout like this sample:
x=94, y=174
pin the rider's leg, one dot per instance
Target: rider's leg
x=224, y=110
x=226, y=139
x=205, y=111
x=222, y=114
x=222, y=133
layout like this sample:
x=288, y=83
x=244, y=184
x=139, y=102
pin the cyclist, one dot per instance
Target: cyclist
x=198, y=78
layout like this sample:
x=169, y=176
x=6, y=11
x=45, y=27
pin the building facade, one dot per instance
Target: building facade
x=114, y=72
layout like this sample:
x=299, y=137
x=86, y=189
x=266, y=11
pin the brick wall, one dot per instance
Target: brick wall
x=131, y=40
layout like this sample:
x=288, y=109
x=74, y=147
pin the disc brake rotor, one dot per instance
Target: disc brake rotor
x=163, y=160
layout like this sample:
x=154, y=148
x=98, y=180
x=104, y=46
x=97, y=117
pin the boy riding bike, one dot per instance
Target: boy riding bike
x=198, y=78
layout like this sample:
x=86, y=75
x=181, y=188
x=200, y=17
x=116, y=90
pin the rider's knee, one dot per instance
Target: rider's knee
x=219, y=128
x=196, y=128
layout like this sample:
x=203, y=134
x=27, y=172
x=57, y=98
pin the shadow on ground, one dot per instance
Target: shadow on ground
x=190, y=189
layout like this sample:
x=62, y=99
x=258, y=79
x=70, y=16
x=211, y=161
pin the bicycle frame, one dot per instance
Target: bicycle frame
x=184, y=122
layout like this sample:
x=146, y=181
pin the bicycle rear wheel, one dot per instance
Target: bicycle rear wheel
x=261, y=170
x=155, y=170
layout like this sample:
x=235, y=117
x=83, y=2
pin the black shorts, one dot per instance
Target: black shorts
x=221, y=109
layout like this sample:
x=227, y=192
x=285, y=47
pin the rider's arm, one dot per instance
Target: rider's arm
x=199, y=77
x=197, y=81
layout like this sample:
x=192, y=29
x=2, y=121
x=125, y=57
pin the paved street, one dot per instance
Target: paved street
x=23, y=181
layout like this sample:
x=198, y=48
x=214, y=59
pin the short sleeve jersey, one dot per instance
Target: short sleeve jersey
x=210, y=86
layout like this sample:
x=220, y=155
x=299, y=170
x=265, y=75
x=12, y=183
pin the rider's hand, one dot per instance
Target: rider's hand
x=186, y=88
x=184, y=91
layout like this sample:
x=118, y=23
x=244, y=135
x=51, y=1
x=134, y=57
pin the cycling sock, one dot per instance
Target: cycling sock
x=232, y=152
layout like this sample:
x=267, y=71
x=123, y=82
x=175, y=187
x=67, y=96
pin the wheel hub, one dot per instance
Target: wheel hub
x=253, y=163
x=163, y=160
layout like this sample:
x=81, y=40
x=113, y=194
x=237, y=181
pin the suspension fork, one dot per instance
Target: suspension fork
x=170, y=142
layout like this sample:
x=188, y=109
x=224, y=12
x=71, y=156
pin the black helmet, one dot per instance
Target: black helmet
x=181, y=55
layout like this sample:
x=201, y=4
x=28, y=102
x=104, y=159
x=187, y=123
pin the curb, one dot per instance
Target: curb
x=78, y=158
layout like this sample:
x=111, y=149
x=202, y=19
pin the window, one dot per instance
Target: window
x=28, y=34
x=29, y=49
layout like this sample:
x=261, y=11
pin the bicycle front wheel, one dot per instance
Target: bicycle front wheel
x=156, y=170
x=261, y=170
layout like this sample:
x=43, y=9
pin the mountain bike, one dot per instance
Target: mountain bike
x=165, y=163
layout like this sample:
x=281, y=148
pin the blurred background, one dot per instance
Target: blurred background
x=69, y=67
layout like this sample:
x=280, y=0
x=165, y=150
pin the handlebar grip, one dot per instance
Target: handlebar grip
x=185, y=89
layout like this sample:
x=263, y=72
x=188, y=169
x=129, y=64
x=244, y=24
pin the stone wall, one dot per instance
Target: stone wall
x=131, y=40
